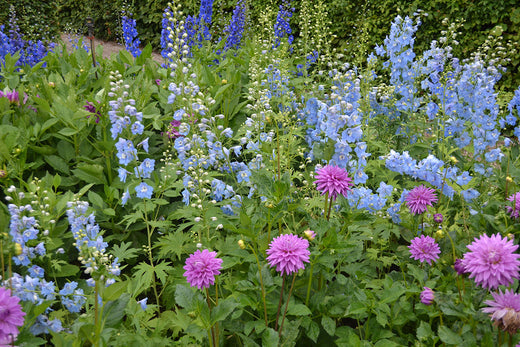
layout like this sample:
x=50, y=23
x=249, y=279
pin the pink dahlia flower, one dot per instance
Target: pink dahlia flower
x=333, y=180
x=427, y=296
x=419, y=198
x=504, y=310
x=425, y=249
x=515, y=199
x=492, y=261
x=11, y=316
x=288, y=252
x=201, y=268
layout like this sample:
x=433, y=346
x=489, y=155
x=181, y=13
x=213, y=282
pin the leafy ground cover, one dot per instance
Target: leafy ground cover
x=254, y=189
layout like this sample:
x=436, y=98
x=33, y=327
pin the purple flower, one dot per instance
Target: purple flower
x=11, y=316
x=201, y=268
x=288, y=252
x=419, y=198
x=492, y=261
x=310, y=234
x=333, y=180
x=504, y=310
x=92, y=109
x=13, y=96
x=515, y=199
x=427, y=296
x=438, y=218
x=425, y=249
x=459, y=267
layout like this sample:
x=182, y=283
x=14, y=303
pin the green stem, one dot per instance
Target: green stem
x=287, y=305
x=279, y=303
x=149, y=232
x=261, y=284
x=330, y=207
x=212, y=340
x=309, y=285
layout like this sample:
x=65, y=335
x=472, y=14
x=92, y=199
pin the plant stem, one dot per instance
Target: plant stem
x=261, y=284
x=212, y=340
x=307, y=297
x=330, y=207
x=149, y=232
x=279, y=303
x=287, y=305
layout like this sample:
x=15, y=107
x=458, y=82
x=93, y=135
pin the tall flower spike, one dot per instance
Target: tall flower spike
x=492, y=262
x=333, y=180
x=288, y=252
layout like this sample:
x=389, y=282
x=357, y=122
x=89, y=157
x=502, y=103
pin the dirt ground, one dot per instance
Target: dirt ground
x=109, y=47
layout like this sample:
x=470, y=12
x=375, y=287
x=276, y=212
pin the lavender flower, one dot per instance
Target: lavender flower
x=333, y=180
x=288, y=252
x=515, y=199
x=491, y=261
x=11, y=317
x=201, y=268
x=425, y=249
x=419, y=198
x=427, y=296
x=504, y=310
x=459, y=267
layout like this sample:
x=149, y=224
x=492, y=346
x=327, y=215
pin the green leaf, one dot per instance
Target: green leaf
x=114, y=291
x=95, y=199
x=68, y=131
x=424, y=331
x=224, y=309
x=123, y=251
x=448, y=336
x=329, y=325
x=65, y=271
x=160, y=271
x=298, y=310
x=184, y=297
x=114, y=311
x=90, y=173
x=270, y=338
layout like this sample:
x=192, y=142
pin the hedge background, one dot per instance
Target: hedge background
x=353, y=21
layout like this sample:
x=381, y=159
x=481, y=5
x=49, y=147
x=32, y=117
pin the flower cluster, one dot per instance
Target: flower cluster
x=130, y=35
x=126, y=121
x=90, y=244
x=282, y=28
x=235, y=29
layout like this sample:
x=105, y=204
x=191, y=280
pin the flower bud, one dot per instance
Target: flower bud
x=309, y=234
x=241, y=244
x=17, y=249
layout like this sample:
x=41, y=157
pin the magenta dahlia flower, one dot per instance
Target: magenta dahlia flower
x=427, y=296
x=201, y=268
x=492, y=261
x=11, y=316
x=459, y=267
x=288, y=252
x=333, y=180
x=419, y=198
x=504, y=310
x=515, y=199
x=425, y=249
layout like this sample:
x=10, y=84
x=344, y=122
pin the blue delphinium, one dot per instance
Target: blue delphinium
x=235, y=29
x=282, y=28
x=130, y=35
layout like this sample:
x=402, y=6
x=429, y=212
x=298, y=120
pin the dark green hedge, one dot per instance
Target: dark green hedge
x=357, y=24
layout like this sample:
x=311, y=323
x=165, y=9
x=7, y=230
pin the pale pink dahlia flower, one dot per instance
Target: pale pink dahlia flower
x=11, y=316
x=425, y=249
x=427, y=296
x=419, y=198
x=492, y=261
x=288, y=252
x=201, y=268
x=504, y=310
x=515, y=199
x=333, y=180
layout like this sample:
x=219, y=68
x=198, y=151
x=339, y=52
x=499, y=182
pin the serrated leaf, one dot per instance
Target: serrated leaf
x=160, y=271
x=298, y=310
x=173, y=244
x=424, y=331
x=123, y=251
x=448, y=336
x=222, y=310
x=184, y=297
x=328, y=325
x=270, y=338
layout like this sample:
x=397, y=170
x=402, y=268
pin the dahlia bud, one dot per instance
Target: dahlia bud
x=241, y=244
x=438, y=218
x=427, y=296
